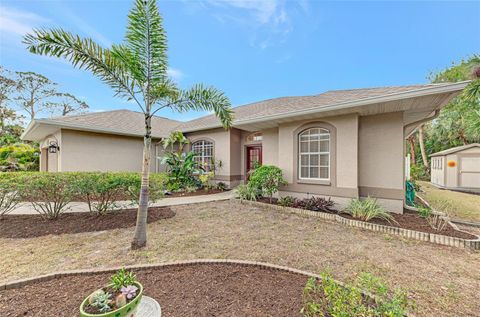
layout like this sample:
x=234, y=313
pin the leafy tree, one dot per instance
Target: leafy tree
x=7, y=85
x=33, y=91
x=137, y=71
x=66, y=104
x=176, y=137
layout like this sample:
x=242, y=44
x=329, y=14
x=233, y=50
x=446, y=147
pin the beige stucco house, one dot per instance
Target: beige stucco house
x=457, y=168
x=340, y=144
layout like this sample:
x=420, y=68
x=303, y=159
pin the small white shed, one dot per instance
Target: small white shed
x=457, y=168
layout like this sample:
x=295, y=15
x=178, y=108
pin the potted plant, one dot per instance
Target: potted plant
x=120, y=298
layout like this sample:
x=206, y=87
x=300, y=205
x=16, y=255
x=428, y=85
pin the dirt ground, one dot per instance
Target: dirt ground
x=200, y=290
x=444, y=281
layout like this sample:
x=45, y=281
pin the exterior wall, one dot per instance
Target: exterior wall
x=344, y=153
x=464, y=175
x=85, y=151
x=226, y=149
x=51, y=162
x=381, y=153
x=437, y=170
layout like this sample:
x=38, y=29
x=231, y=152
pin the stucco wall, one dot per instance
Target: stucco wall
x=85, y=151
x=346, y=145
x=222, y=148
x=381, y=149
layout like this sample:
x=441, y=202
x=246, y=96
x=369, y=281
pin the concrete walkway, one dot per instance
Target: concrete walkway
x=27, y=209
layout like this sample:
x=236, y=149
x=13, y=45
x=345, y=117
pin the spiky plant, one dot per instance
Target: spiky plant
x=367, y=209
x=137, y=71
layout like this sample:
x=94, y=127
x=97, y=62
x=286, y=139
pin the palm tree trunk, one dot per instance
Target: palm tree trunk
x=140, y=238
x=422, y=150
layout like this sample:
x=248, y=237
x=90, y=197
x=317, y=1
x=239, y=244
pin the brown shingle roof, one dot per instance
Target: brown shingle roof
x=117, y=121
x=456, y=149
x=283, y=105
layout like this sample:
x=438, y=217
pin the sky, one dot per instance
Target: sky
x=257, y=49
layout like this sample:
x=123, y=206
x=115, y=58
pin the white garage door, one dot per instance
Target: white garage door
x=470, y=172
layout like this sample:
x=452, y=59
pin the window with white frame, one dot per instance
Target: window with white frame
x=314, y=154
x=203, y=150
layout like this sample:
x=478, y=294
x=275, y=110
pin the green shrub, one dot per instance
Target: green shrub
x=287, y=201
x=19, y=157
x=328, y=298
x=221, y=186
x=9, y=195
x=156, y=187
x=267, y=179
x=367, y=209
x=424, y=212
x=181, y=169
x=50, y=193
x=246, y=192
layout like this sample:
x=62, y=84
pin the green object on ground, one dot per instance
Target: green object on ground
x=125, y=311
x=410, y=193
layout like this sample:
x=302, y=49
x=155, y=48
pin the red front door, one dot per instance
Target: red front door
x=254, y=157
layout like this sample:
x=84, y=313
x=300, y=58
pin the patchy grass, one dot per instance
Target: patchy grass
x=456, y=204
x=442, y=280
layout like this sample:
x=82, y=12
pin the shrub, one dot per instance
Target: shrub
x=19, y=157
x=367, y=209
x=181, y=169
x=50, y=193
x=424, y=212
x=156, y=187
x=315, y=204
x=9, y=195
x=328, y=298
x=267, y=179
x=287, y=201
x=437, y=222
x=247, y=192
x=221, y=186
x=205, y=179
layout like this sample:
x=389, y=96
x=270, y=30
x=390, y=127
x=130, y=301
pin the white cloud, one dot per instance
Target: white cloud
x=175, y=74
x=18, y=22
x=268, y=22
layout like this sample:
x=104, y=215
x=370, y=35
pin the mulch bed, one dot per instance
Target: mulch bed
x=199, y=192
x=195, y=290
x=30, y=226
x=408, y=220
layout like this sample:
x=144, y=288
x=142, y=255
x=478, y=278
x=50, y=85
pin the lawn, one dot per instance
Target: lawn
x=442, y=280
x=456, y=204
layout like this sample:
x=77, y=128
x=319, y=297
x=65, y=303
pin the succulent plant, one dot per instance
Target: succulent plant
x=130, y=291
x=122, y=278
x=102, y=301
x=95, y=294
x=121, y=300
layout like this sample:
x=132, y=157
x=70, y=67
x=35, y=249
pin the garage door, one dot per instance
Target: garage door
x=470, y=172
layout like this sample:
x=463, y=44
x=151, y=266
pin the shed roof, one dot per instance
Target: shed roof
x=456, y=149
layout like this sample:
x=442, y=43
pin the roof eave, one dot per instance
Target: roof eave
x=345, y=105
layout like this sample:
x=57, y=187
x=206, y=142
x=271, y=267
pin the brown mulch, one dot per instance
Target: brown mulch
x=408, y=220
x=195, y=290
x=199, y=192
x=29, y=226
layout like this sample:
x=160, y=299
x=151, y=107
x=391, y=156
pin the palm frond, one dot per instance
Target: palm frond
x=83, y=53
x=146, y=39
x=200, y=98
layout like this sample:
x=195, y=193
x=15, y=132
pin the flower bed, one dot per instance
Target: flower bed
x=449, y=236
x=29, y=226
x=238, y=288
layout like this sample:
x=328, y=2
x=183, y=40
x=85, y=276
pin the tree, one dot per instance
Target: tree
x=137, y=71
x=33, y=91
x=7, y=85
x=66, y=104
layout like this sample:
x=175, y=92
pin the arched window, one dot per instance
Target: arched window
x=203, y=150
x=314, y=154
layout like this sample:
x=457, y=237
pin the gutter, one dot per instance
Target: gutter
x=349, y=104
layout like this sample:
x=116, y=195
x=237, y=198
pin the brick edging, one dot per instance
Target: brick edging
x=473, y=244
x=55, y=275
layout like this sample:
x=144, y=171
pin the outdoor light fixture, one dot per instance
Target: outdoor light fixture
x=53, y=147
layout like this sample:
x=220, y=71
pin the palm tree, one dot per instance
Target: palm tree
x=137, y=71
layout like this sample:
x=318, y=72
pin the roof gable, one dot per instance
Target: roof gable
x=456, y=149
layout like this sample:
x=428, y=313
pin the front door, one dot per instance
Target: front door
x=254, y=157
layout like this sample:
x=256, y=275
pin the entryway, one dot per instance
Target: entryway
x=254, y=157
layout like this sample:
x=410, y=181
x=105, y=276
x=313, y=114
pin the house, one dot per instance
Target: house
x=340, y=144
x=457, y=168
